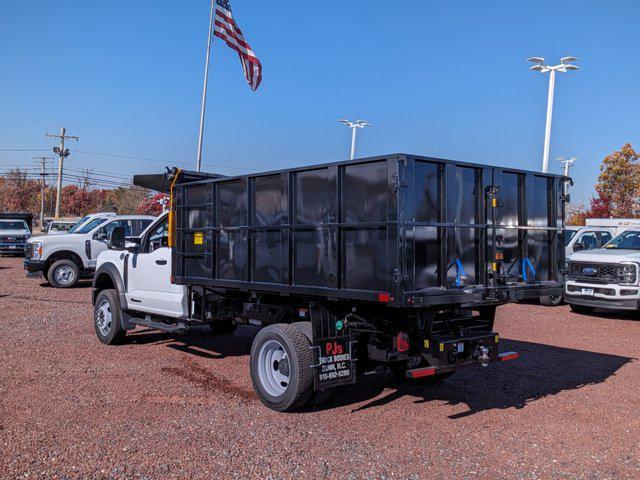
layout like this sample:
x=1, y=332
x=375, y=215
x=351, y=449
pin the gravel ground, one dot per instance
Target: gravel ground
x=164, y=406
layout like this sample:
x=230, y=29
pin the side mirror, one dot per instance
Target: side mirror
x=132, y=244
x=577, y=247
x=117, y=240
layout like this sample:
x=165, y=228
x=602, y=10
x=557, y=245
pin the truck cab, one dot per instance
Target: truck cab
x=142, y=271
x=14, y=234
x=606, y=277
x=64, y=259
x=579, y=239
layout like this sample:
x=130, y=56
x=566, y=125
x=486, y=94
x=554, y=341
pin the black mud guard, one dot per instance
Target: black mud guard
x=333, y=347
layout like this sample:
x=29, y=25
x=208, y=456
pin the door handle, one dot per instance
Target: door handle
x=161, y=262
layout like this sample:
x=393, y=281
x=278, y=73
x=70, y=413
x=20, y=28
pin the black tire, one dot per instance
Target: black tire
x=63, y=274
x=583, y=309
x=112, y=334
x=224, y=327
x=295, y=344
x=398, y=370
x=551, y=300
x=318, y=397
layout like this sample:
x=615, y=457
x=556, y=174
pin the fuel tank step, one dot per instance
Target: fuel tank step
x=165, y=327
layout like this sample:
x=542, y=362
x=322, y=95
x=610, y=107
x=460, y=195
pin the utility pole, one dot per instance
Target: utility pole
x=43, y=174
x=61, y=152
x=86, y=178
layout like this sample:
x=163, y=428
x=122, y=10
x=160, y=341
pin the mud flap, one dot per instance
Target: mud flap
x=333, y=346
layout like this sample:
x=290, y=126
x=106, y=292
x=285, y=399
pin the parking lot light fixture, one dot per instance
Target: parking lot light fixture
x=564, y=66
x=354, y=126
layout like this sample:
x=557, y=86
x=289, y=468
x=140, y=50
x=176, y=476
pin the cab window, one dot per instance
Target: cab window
x=132, y=228
x=588, y=240
x=605, y=237
x=158, y=237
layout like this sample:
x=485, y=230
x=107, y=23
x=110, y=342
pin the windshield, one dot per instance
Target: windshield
x=78, y=224
x=13, y=225
x=91, y=225
x=629, y=240
x=568, y=235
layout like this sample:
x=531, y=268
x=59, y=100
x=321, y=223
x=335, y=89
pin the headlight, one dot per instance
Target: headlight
x=627, y=274
x=37, y=250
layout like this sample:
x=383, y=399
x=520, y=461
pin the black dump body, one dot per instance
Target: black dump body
x=401, y=229
x=26, y=216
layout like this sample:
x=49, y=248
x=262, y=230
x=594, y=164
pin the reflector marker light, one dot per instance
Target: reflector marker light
x=508, y=356
x=421, y=372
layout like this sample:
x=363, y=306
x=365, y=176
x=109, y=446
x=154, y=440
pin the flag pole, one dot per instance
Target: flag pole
x=204, y=87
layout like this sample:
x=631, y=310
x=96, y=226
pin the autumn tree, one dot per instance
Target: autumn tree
x=618, y=186
x=18, y=193
x=152, y=205
x=125, y=200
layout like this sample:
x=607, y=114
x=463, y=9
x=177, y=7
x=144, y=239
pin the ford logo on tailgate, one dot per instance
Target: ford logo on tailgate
x=590, y=271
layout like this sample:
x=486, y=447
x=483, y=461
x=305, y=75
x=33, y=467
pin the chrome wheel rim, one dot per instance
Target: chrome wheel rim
x=273, y=368
x=64, y=275
x=104, y=317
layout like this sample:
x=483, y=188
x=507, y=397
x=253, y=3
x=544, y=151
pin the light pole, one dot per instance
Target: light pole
x=564, y=66
x=567, y=164
x=353, y=126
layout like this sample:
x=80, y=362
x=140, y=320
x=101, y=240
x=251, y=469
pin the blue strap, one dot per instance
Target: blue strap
x=526, y=262
x=459, y=271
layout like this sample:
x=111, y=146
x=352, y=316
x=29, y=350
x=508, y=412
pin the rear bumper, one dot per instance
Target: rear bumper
x=429, y=371
x=34, y=268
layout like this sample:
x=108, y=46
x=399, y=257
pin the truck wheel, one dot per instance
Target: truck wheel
x=551, y=300
x=581, y=309
x=280, y=365
x=107, y=318
x=318, y=397
x=63, y=274
x=225, y=327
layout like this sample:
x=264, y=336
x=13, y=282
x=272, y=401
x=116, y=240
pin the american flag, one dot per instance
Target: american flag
x=227, y=29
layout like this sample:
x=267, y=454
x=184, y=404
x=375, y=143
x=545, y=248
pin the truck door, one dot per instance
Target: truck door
x=148, y=276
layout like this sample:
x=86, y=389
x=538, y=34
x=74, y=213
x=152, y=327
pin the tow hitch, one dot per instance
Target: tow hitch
x=482, y=354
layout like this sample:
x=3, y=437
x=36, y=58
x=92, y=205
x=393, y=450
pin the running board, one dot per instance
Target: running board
x=165, y=327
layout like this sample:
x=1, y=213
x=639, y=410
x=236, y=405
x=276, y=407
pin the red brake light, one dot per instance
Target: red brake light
x=384, y=297
x=402, y=342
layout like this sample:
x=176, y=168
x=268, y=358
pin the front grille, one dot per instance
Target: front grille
x=603, y=291
x=593, y=272
x=28, y=250
x=11, y=239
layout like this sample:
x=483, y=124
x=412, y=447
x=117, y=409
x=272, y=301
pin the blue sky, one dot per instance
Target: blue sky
x=437, y=78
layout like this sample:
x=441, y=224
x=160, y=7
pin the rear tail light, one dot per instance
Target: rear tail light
x=402, y=342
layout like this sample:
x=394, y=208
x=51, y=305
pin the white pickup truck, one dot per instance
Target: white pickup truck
x=606, y=277
x=64, y=259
